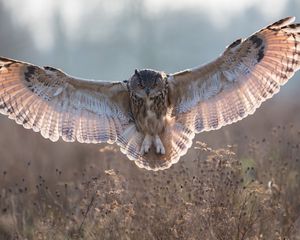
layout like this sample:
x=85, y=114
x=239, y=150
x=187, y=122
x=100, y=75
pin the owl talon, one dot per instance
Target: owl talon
x=147, y=142
x=160, y=149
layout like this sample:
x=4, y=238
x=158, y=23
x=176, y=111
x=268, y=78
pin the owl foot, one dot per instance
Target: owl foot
x=147, y=142
x=160, y=149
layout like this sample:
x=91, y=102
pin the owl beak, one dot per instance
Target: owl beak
x=147, y=91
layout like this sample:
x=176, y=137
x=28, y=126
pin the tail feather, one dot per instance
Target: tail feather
x=176, y=138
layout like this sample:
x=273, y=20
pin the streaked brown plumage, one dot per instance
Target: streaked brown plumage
x=153, y=116
x=148, y=90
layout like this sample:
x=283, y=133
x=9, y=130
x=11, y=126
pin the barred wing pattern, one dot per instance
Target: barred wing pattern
x=57, y=105
x=201, y=99
x=235, y=84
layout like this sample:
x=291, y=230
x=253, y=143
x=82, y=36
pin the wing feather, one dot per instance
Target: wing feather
x=57, y=105
x=235, y=84
x=202, y=99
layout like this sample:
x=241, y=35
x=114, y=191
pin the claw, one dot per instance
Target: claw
x=160, y=149
x=147, y=142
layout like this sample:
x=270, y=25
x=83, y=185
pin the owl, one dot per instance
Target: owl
x=153, y=116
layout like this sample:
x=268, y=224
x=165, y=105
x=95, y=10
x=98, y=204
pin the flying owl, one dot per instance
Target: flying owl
x=153, y=116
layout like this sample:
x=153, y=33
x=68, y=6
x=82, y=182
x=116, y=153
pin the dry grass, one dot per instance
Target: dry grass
x=249, y=191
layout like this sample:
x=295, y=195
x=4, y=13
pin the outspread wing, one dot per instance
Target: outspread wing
x=235, y=84
x=202, y=99
x=57, y=105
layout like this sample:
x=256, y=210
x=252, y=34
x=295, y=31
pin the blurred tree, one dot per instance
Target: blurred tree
x=15, y=42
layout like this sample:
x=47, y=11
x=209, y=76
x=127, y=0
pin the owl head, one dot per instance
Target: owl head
x=147, y=83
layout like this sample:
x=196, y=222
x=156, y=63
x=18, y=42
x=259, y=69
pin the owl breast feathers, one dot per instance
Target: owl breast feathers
x=153, y=116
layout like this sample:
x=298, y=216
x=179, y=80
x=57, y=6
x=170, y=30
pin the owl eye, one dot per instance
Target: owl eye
x=139, y=83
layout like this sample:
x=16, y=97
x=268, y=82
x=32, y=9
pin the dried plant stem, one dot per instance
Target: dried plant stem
x=86, y=213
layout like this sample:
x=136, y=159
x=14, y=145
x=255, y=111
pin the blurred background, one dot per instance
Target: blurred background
x=249, y=169
x=108, y=39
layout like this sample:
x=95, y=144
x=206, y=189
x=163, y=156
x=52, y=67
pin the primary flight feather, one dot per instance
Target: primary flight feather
x=153, y=116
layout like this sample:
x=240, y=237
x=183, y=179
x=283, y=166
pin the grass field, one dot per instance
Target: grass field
x=247, y=190
x=241, y=182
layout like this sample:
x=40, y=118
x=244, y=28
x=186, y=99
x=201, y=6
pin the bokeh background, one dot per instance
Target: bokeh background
x=107, y=40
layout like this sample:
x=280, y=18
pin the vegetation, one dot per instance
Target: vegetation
x=249, y=190
x=215, y=195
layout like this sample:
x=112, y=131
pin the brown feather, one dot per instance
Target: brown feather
x=234, y=85
x=170, y=110
x=58, y=105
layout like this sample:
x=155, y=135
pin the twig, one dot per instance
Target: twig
x=86, y=213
